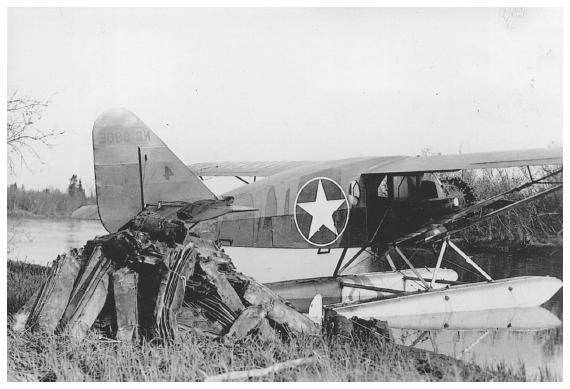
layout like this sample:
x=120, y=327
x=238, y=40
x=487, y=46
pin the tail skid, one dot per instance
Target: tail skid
x=134, y=167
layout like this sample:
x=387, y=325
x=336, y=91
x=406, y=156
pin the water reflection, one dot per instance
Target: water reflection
x=537, y=350
x=40, y=241
x=538, y=346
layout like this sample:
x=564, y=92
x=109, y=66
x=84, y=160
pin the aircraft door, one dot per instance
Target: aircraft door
x=376, y=195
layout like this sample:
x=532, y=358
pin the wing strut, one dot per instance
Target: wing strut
x=484, y=203
x=459, y=221
x=436, y=238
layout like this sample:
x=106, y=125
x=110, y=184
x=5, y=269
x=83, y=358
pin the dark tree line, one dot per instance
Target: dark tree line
x=48, y=202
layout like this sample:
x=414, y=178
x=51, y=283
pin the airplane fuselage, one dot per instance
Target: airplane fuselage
x=334, y=204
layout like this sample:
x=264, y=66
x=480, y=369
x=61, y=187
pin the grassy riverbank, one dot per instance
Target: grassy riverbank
x=42, y=356
x=31, y=357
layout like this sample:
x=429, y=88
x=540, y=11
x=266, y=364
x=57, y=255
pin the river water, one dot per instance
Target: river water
x=539, y=349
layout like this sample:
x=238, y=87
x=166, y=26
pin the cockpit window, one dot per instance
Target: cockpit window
x=383, y=188
x=404, y=188
x=354, y=192
x=428, y=190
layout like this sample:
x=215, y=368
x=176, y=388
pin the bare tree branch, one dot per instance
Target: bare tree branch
x=23, y=137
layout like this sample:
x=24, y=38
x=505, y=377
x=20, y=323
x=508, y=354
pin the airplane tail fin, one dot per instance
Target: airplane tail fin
x=133, y=167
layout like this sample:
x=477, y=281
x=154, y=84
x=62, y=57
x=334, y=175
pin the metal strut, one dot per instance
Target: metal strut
x=412, y=267
x=335, y=273
x=438, y=262
x=469, y=260
x=351, y=260
x=447, y=241
x=390, y=262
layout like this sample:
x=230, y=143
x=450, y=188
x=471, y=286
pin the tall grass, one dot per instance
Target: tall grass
x=41, y=356
x=32, y=357
x=537, y=222
x=23, y=280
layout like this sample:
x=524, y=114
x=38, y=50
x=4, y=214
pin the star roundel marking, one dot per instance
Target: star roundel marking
x=321, y=211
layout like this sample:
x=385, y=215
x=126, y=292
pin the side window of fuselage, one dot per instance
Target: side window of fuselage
x=428, y=187
x=383, y=188
x=404, y=188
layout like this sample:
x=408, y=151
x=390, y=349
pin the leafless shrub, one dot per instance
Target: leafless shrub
x=23, y=137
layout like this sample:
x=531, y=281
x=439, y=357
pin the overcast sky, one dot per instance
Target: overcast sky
x=289, y=84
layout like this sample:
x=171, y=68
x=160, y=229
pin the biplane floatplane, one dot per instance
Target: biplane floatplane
x=325, y=206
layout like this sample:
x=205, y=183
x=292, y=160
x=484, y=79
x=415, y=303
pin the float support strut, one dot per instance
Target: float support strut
x=470, y=261
x=352, y=259
x=389, y=259
x=340, y=261
x=443, y=246
x=412, y=267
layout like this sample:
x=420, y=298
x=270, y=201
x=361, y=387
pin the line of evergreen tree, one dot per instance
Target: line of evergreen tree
x=48, y=202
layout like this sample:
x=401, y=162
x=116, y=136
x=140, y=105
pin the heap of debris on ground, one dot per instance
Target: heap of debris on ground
x=152, y=280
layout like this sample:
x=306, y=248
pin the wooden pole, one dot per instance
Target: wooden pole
x=236, y=375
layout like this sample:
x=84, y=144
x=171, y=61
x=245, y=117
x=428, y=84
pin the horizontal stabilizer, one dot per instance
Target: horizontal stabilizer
x=242, y=208
x=209, y=209
x=196, y=211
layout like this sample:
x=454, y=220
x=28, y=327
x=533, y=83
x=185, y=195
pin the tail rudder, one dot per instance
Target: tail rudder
x=134, y=167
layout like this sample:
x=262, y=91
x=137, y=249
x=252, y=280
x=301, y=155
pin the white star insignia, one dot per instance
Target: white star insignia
x=322, y=211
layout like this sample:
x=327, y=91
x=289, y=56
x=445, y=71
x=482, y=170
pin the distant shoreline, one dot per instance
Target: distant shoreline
x=31, y=215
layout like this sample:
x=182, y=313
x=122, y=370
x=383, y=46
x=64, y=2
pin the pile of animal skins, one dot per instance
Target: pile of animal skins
x=152, y=280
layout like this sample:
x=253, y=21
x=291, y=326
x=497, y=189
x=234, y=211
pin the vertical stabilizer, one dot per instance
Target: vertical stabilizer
x=134, y=167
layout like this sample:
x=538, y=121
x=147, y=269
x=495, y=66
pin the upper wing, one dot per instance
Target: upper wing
x=398, y=164
x=249, y=169
x=547, y=156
